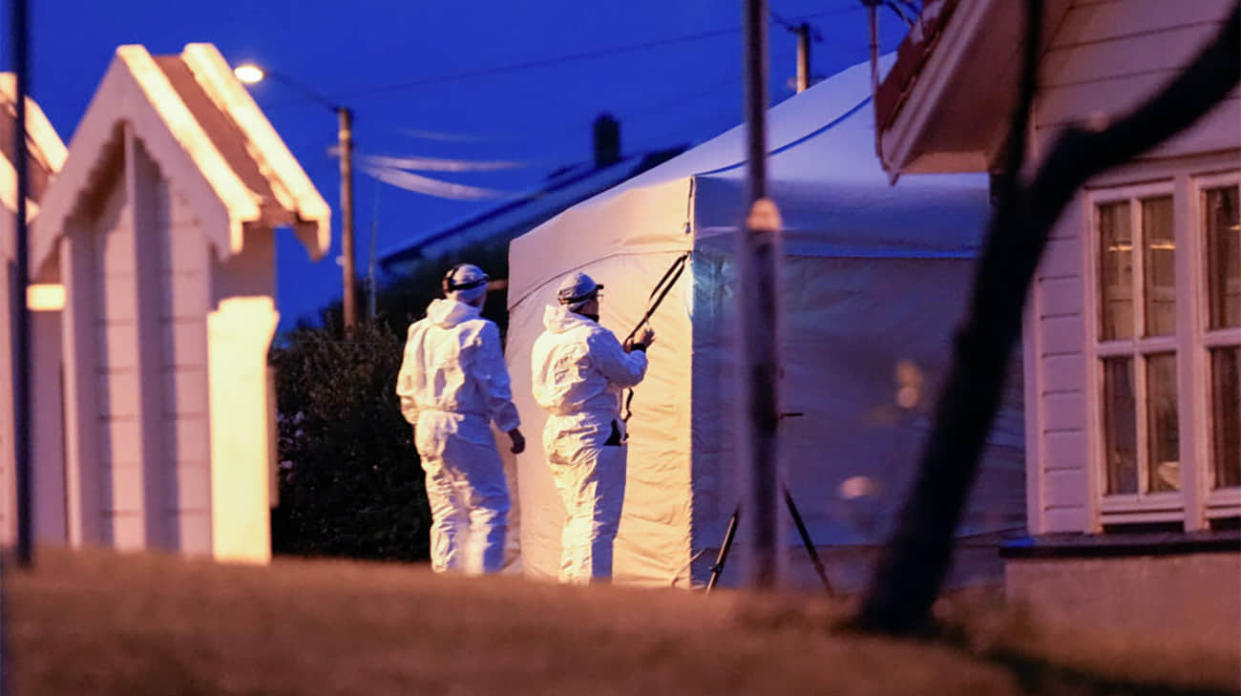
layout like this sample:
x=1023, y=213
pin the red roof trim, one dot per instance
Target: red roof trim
x=911, y=57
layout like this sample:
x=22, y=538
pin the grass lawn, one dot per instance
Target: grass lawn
x=96, y=622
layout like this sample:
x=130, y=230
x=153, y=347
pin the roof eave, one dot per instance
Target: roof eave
x=47, y=143
x=291, y=185
x=185, y=143
x=903, y=128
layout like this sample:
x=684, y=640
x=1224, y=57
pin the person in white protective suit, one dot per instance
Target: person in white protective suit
x=579, y=370
x=453, y=383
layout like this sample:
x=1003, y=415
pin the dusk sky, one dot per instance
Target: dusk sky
x=431, y=79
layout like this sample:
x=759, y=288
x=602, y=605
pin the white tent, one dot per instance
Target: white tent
x=874, y=277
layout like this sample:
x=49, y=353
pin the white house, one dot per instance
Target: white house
x=1132, y=336
x=160, y=227
x=46, y=156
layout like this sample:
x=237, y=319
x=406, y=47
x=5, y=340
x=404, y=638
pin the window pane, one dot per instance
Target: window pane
x=1226, y=415
x=1163, y=439
x=1223, y=257
x=1119, y=425
x=1160, y=266
x=1116, y=270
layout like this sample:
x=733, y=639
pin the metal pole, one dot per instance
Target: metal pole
x=722, y=557
x=872, y=9
x=21, y=351
x=803, y=57
x=808, y=543
x=757, y=255
x=755, y=24
x=348, y=300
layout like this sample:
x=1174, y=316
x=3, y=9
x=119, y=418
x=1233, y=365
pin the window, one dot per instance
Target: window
x=1166, y=349
x=1137, y=345
x=1221, y=228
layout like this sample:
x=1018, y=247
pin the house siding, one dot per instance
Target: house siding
x=184, y=290
x=113, y=317
x=1060, y=456
x=1105, y=58
x=150, y=364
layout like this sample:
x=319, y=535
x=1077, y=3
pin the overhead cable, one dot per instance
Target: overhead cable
x=585, y=55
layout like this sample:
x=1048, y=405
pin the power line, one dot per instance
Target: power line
x=794, y=25
x=572, y=57
x=790, y=22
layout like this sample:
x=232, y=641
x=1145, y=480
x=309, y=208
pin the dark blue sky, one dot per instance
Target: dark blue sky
x=684, y=86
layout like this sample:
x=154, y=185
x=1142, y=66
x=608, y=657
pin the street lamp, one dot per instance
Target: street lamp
x=250, y=74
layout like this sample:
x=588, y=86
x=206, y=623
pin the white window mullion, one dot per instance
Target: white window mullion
x=1139, y=268
x=1222, y=338
x=1159, y=344
x=1139, y=394
x=1116, y=349
x=1190, y=389
x=1092, y=306
x=1139, y=332
x=1217, y=502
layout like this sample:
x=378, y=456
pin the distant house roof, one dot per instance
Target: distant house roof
x=564, y=188
x=47, y=152
x=206, y=134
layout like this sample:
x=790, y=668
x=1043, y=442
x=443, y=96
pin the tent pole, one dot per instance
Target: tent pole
x=757, y=256
x=722, y=557
x=808, y=543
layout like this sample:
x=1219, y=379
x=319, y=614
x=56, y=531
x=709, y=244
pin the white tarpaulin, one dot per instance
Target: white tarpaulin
x=874, y=280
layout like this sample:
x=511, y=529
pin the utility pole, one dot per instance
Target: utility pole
x=803, y=57
x=758, y=252
x=250, y=74
x=21, y=350
x=371, y=291
x=348, y=300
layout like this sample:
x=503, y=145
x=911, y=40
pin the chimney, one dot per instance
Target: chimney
x=607, y=141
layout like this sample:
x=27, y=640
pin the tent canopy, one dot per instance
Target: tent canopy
x=834, y=197
x=874, y=276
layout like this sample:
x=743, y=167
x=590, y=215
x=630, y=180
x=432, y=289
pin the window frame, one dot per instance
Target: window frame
x=1142, y=506
x=1197, y=503
x=1225, y=502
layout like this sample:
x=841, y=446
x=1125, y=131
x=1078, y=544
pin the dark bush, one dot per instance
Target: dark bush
x=350, y=481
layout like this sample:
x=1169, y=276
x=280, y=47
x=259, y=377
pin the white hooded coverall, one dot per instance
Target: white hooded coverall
x=452, y=382
x=579, y=371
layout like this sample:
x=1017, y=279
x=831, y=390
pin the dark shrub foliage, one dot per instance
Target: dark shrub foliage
x=350, y=481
